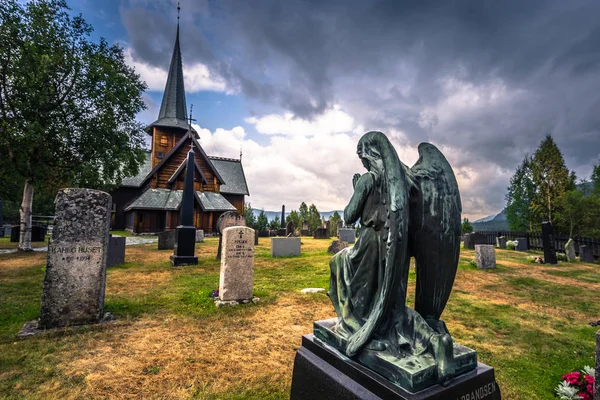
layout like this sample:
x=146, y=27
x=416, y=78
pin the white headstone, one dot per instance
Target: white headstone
x=485, y=256
x=237, y=264
x=570, y=250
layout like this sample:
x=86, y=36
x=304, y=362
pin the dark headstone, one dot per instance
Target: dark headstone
x=273, y=232
x=347, y=235
x=38, y=233
x=282, y=216
x=501, y=242
x=282, y=232
x=76, y=267
x=116, y=251
x=1, y=213
x=255, y=237
x=548, y=242
x=585, y=254
x=15, y=233
x=336, y=246
x=304, y=232
x=289, y=229
x=166, y=240
x=471, y=239
x=328, y=227
x=185, y=242
x=263, y=233
x=523, y=244
x=321, y=233
x=324, y=373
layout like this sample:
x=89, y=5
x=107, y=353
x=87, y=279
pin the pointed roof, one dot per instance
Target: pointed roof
x=173, y=110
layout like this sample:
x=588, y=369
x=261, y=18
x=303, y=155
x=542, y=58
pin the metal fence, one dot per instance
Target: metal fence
x=536, y=243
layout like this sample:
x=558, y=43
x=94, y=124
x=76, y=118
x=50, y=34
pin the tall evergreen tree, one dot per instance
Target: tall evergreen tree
x=552, y=180
x=262, y=221
x=249, y=215
x=303, y=211
x=314, y=218
x=521, y=193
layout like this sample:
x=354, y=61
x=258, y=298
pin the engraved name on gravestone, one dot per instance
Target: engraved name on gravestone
x=237, y=264
x=76, y=265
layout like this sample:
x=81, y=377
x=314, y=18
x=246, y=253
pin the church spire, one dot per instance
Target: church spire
x=173, y=110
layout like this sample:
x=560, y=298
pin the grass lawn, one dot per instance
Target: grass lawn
x=528, y=321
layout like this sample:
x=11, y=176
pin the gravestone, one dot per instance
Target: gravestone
x=570, y=250
x=255, y=237
x=585, y=254
x=548, y=242
x=76, y=266
x=263, y=233
x=273, y=232
x=7, y=230
x=340, y=225
x=15, y=233
x=184, y=252
x=501, y=242
x=283, y=247
x=485, y=256
x=290, y=229
x=199, y=235
x=336, y=246
x=320, y=233
x=304, y=232
x=282, y=232
x=523, y=244
x=38, y=233
x=472, y=239
x=237, y=264
x=227, y=219
x=597, y=378
x=328, y=227
x=116, y=250
x=166, y=240
x=282, y=219
x=304, y=225
x=1, y=214
x=347, y=235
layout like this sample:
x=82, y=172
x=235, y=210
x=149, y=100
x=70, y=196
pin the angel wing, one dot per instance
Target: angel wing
x=434, y=232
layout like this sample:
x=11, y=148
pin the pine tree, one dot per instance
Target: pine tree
x=262, y=221
x=519, y=197
x=552, y=180
x=466, y=226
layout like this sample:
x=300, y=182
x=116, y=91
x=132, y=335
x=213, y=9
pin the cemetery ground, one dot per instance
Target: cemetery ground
x=529, y=321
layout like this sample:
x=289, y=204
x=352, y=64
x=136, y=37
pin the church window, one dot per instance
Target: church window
x=164, y=141
x=160, y=154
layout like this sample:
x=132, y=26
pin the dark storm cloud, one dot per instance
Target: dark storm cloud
x=532, y=68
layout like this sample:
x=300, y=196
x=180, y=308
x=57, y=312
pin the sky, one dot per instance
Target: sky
x=294, y=84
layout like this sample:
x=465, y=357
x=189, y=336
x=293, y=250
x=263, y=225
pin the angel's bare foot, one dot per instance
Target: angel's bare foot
x=443, y=352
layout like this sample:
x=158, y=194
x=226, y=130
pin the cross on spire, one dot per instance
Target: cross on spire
x=178, y=9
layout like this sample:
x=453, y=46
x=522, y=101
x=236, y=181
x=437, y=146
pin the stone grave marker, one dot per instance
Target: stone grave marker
x=38, y=233
x=320, y=233
x=304, y=231
x=548, y=242
x=166, y=240
x=116, y=250
x=585, y=253
x=523, y=244
x=328, y=227
x=570, y=250
x=501, y=242
x=485, y=256
x=263, y=233
x=237, y=266
x=7, y=230
x=290, y=228
x=255, y=237
x=76, y=266
x=472, y=239
x=282, y=247
x=15, y=232
x=273, y=232
x=347, y=235
x=199, y=235
x=227, y=219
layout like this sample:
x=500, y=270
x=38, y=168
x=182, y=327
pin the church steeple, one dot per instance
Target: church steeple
x=173, y=110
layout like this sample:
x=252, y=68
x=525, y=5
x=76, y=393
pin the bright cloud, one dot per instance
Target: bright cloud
x=197, y=77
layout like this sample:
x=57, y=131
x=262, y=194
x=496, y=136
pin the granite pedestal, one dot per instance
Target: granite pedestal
x=322, y=372
x=282, y=247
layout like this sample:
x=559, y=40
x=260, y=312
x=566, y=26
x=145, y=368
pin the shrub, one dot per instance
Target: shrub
x=511, y=244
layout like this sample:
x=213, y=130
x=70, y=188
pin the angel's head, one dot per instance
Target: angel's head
x=370, y=151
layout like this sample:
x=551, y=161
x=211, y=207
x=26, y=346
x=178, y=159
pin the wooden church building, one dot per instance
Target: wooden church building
x=150, y=201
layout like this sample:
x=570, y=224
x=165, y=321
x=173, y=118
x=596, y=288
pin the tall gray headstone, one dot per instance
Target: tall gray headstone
x=501, y=242
x=237, y=264
x=585, y=253
x=485, y=256
x=199, y=235
x=116, y=250
x=76, y=266
x=570, y=250
x=523, y=244
x=347, y=235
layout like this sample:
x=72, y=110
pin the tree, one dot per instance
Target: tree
x=262, y=221
x=67, y=105
x=595, y=178
x=249, y=216
x=333, y=221
x=519, y=197
x=303, y=210
x=314, y=218
x=552, y=179
x=466, y=226
x=275, y=224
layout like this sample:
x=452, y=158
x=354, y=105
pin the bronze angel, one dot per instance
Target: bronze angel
x=403, y=212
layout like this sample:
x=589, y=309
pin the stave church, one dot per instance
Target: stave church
x=150, y=202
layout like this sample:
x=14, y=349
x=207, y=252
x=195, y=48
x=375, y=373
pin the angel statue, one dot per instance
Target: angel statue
x=403, y=212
